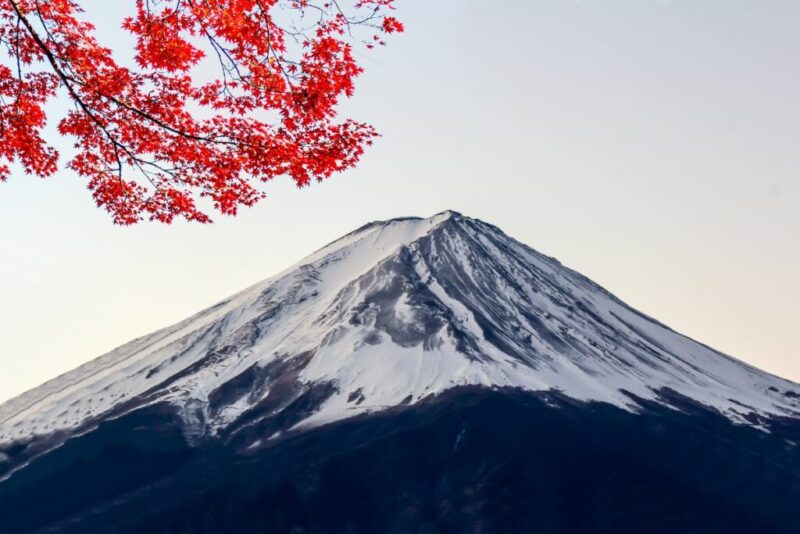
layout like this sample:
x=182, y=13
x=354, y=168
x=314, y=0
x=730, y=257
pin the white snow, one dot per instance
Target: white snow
x=307, y=309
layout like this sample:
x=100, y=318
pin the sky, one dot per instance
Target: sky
x=650, y=145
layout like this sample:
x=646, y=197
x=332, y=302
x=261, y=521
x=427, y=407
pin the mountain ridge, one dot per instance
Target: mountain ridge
x=389, y=314
x=415, y=375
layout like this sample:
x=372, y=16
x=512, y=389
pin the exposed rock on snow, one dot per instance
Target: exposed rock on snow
x=388, y=315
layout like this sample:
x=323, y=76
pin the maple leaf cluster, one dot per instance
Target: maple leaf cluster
x=154, y=138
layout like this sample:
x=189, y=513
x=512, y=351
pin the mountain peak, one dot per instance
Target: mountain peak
x=432, y=220
x=393, y=313
x=448, y=214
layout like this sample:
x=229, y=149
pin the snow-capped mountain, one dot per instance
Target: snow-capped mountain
x=393, y=316
x=393, y=313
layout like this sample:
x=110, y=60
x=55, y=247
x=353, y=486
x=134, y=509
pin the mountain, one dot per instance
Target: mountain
x=415, y=375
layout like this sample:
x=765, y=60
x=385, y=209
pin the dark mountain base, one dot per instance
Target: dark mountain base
x=469, y=461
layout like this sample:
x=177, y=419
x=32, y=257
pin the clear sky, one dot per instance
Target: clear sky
x=651, y=145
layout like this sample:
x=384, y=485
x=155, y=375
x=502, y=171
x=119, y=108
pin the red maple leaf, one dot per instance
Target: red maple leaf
x=152, y=140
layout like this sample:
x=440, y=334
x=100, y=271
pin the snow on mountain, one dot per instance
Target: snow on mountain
x=391, y=314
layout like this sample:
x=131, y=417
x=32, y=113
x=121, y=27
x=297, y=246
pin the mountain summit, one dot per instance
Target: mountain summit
x=407, y=316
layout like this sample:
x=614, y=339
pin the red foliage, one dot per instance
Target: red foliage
x=153, y=139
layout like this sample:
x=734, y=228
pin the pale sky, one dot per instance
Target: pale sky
x=651, y=145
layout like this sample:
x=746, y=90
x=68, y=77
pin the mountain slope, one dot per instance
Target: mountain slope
x=469, y=459
x=393, y=313
x=408, y=316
